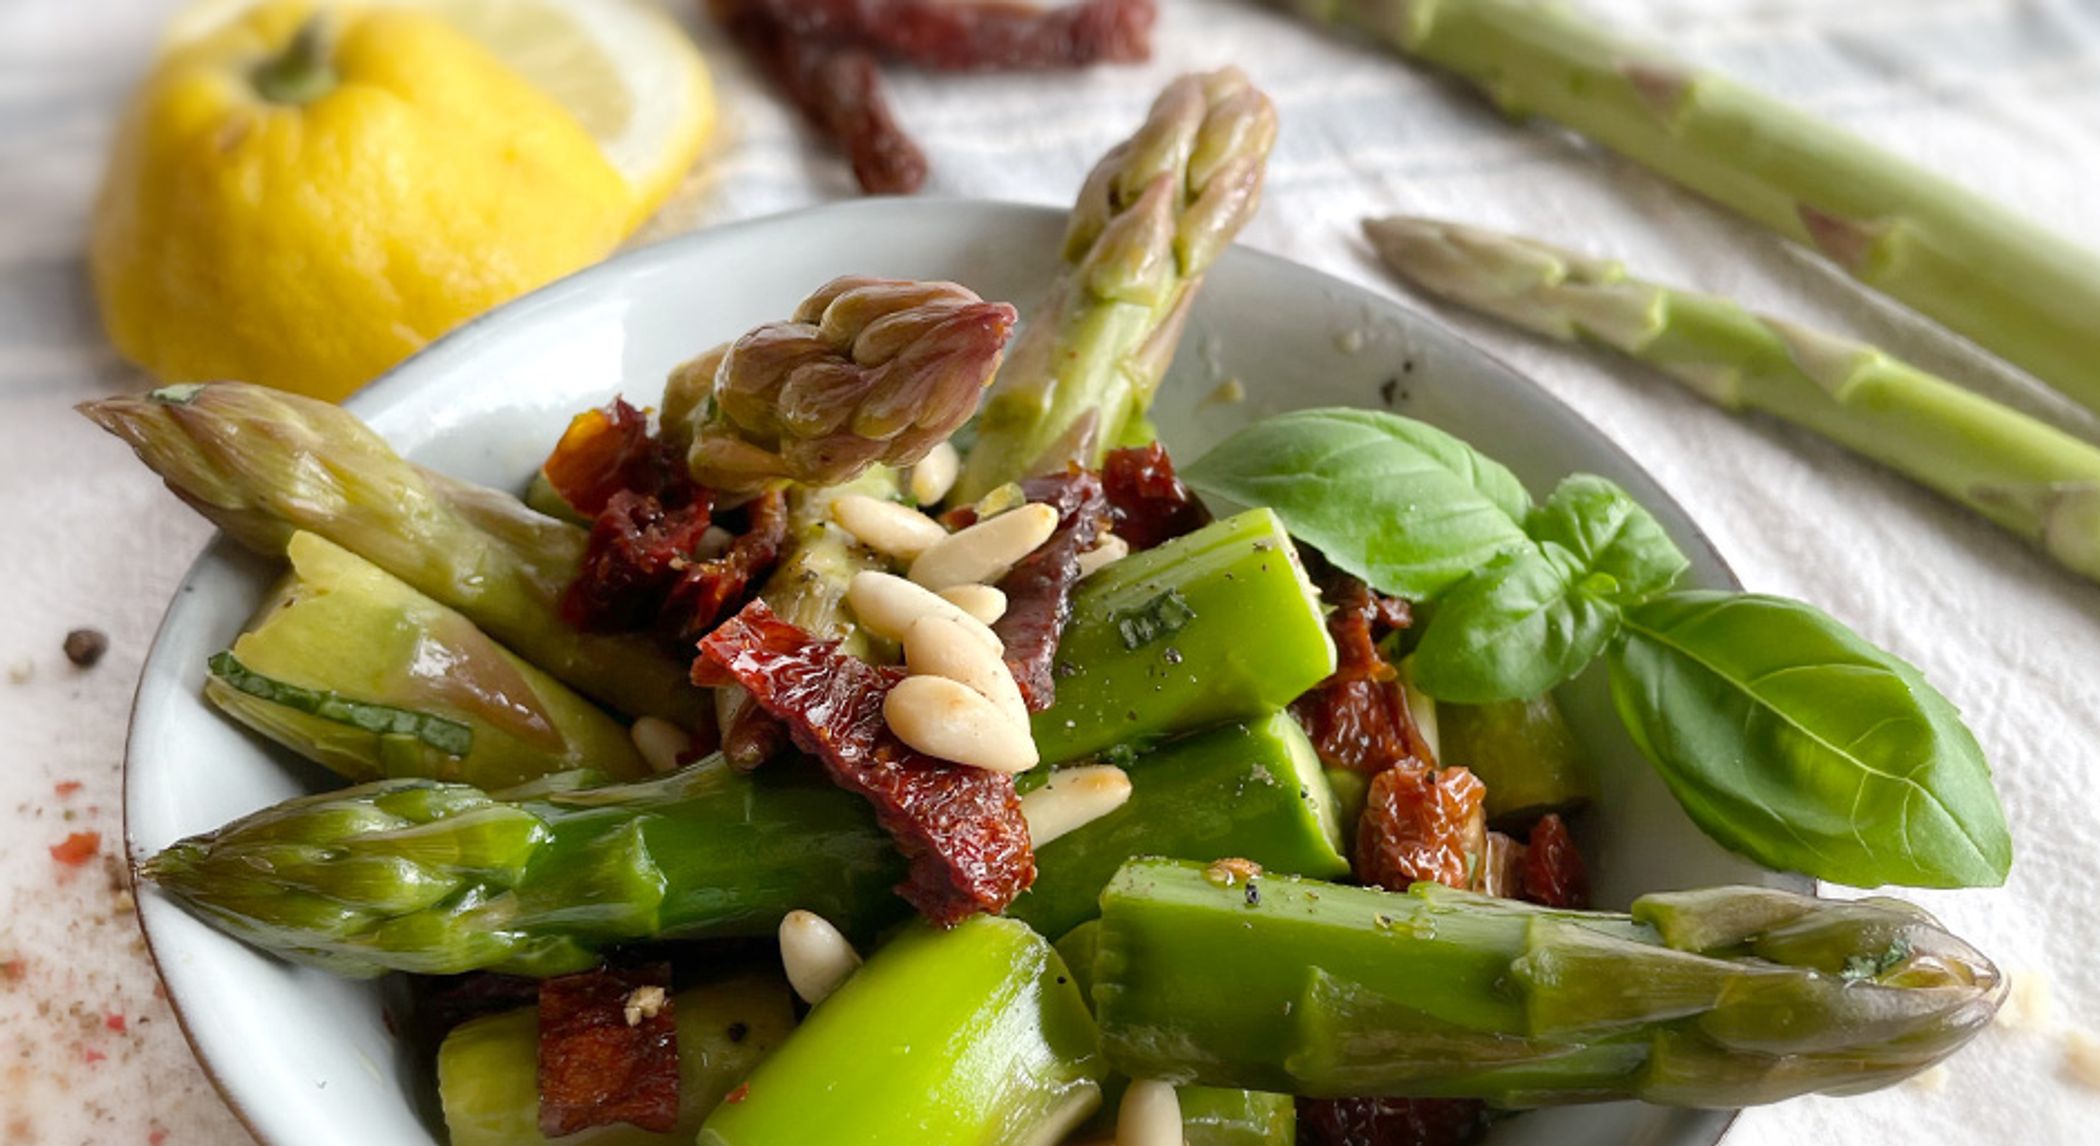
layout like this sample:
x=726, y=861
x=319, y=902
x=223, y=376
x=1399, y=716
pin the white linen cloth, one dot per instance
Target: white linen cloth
x=2004, y=95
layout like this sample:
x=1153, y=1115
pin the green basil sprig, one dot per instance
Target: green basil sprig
x=1539, y=614
x=1789, y=738
x=1405, y=506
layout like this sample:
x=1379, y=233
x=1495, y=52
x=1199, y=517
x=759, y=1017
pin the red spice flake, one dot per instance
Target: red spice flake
x=156, y=1136
x=1358, y=718
x=1149, y=504
x=1039, y=589
x=961, y=828
x=14, y=970
x=737, y=1096
x=595, y=1067
x=65, y=788
x=1421, y=824
x=91, y=1056
x=77, y=848
x=114, y=1022
x=1003, y=36
x=1390, y=1121
x=606, y=451
x=1553, y=873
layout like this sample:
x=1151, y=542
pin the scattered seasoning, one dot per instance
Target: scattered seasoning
x=1875, y=966
x=1253, y=893
x=91, y=1056
x=1231, y=870
x=1162, y=616
x=1171, y=655
x=739, y=1030
x=85, y=646
x=14, y=970
x=737, y=1096
x=66, y=788
x=157, y=1136
x=19, y=672
x=114, y=1022
x=77, y=848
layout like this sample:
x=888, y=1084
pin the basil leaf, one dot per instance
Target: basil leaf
x=1406, y=507
x=1789, y=738
x=1514, y=630
x=1612, y=535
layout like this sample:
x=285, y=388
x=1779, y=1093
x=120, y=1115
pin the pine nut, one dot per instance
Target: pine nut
x=815, y=956
x=952, y=721
x=984, y=552
x=941, y=646
x=1110, y=548
x=1073, y=798
x=1150, y=1115
x=980, y=601
x=886, y=527
x=886, y=605
x=934, y=476
x=714, y=542
x=661, y=743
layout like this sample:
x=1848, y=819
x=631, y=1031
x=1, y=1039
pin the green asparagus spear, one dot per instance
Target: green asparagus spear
x=263, y=465
x=1523, y=750
x=868, y=370
x=1252, y=790
x=488, y=1069
x=369, y=678
x=1717, y=998
x=1216, y=626
x=2027, y=476
x=972, y=1035
x=417, y=876
x=2014, y=287
x=1154, y=214
x=1218, y=1116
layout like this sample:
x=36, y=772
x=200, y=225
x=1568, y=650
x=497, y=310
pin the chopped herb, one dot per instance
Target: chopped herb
x=447, y=736
x=1162, y=616
x=1860, y=967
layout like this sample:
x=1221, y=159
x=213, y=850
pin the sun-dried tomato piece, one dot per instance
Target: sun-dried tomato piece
x=605, y=451
x=1553, y=873
x=984, y=36
x=708, y=590
x=1149, y=503
x=961, y=828
x=608, y=1051
x=1421, y=824
x=1039, y=589
x=446, y=1001
x=838, y=88
x=1358, y=718
x=637, y=552
x=1390, y=1121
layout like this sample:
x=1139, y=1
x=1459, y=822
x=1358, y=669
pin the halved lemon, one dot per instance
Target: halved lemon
x=627, y=72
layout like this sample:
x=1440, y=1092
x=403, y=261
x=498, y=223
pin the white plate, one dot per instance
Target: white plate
x=305, y=1059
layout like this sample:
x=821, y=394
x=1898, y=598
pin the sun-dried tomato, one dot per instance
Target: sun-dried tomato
x=77, y=848
x=609, y=450
x=1421, y=824
x=1001, y=35
x=445, y=1001
x=637, y=551
x=1553, y=873
x=839, y=89
x=1039, y=589
x=608, y=1051
x=1390, y=1121
x=1148, y=502
x=1358, y=718
x=708, y=590
x=961, y=828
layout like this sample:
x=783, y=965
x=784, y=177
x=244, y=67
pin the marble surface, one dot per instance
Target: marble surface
x=1999, y=93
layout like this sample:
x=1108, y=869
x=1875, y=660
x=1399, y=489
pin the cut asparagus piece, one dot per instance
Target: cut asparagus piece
x=1216, y=1116
x=2021, y=473
x=1219, y=625
x=2016, y=288
x=1523, y=750
x=263, y=465
x=487, y=1069
x=1154, y=214
x=1253, y=790
x=976, y=1034
x=411, y=875
x=1715, y=998
x=356, y=671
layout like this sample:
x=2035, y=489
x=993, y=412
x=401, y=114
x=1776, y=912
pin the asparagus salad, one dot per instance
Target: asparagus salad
x=880, y=744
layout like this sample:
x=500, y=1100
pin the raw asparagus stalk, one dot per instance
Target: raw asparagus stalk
x=1717, y=998
x=412, y=875
x=488, y=1069
x=369, y=678
x=2016, y=288
x=1523, y=750
x=976, y=1034
x=1217, y=1116
x=2027, y=476
x=1216, y=626
x=1252, y=790
x=263, y=464
x=1154, y=214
